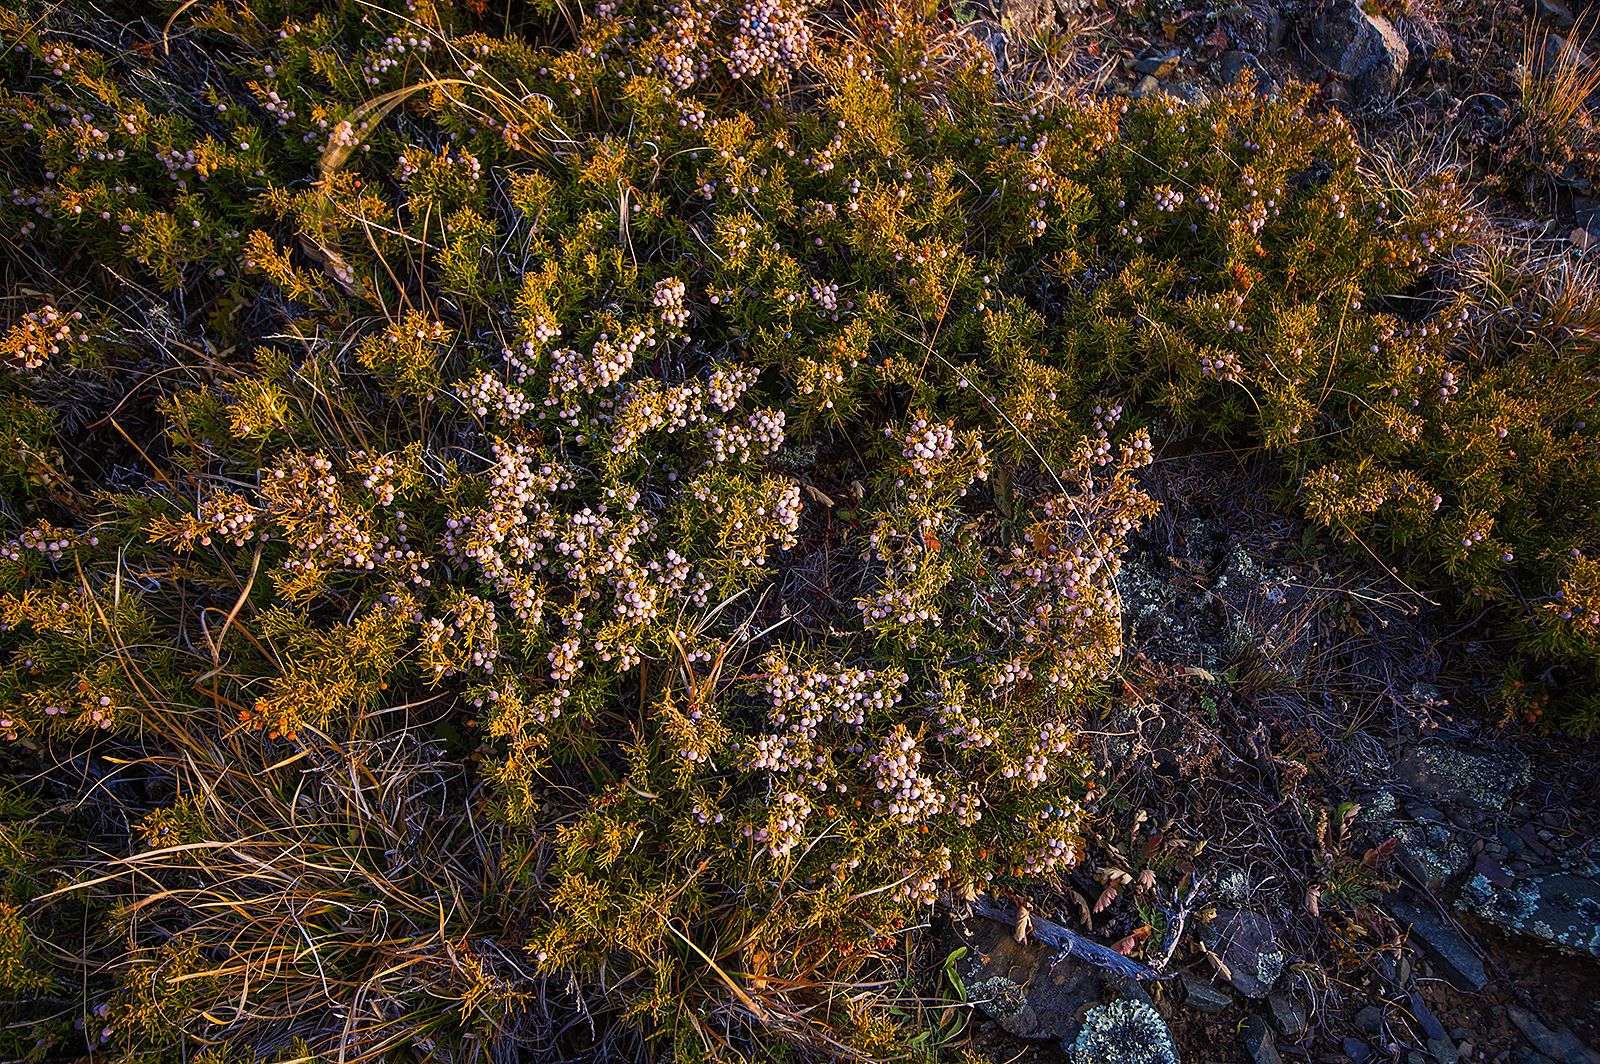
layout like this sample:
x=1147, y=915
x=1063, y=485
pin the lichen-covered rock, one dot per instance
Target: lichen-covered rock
x=1248, y=946
x=1481, y=778
x=1020, y=985
x=1563, y=909
x=1428, y=849
x=1124, y=1032
x=1366, y=49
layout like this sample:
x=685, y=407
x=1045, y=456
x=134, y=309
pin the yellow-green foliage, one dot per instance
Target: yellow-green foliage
x=613, y=429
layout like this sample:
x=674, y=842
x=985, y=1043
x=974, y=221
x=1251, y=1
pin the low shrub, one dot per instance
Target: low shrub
x=656, y=523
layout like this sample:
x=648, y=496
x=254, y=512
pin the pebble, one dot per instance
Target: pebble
x=1288, y=1017
x=1258, y=1042
x=1204, y=995
x=1370, y=1019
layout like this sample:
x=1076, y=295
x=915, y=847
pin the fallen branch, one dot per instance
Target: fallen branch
x=1067, y=942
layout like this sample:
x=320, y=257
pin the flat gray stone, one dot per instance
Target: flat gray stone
x=1370, y=1020
x=1017, y=985
x=1456, y=961
x=1492, y=873
x=1203, y=995
x=1258, y=1041
x=1561, y=1044
x=1248, y=945
x=1429, y=1022
x=1288, y=1017
x=1158, y=66
x=1561, y=908
x=1479, y=778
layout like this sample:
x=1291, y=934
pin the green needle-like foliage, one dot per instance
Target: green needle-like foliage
x=645, y=514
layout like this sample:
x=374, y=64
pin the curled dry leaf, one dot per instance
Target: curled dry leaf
x=1024, y=922
x=1084, y=912
x=818, y=496
x=1107, y=896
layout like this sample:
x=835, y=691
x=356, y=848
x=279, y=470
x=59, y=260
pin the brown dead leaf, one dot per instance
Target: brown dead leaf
x=819, y=496
x=1216, y=962
x=1085, y=913
x=1024, y=924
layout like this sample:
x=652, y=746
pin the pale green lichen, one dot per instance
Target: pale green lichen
x=1124, y=1032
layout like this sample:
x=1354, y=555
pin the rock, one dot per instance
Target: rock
x=1560, y=1043
x=1370, y=1020
x=1243, y=64
x=1427, y=849
x=1553, y=10
x=1017, y=985
x=1456, y=961
x=1357, y=1050
x=1123, y=1032
x=1364, y=48
x=1530, y=837
x=1148, y=86
x=1204, y=995
x=1560, y=907
x=1490, y=870
x=1131, y=989
x=1443, y=1050
x=1158, y=66
x=1469, y=776
x=1429, y=1022
x=1248, y=945
x=1287, y=1017
x=1258, y=1042
x=1276, y=27
x=1559, y=56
